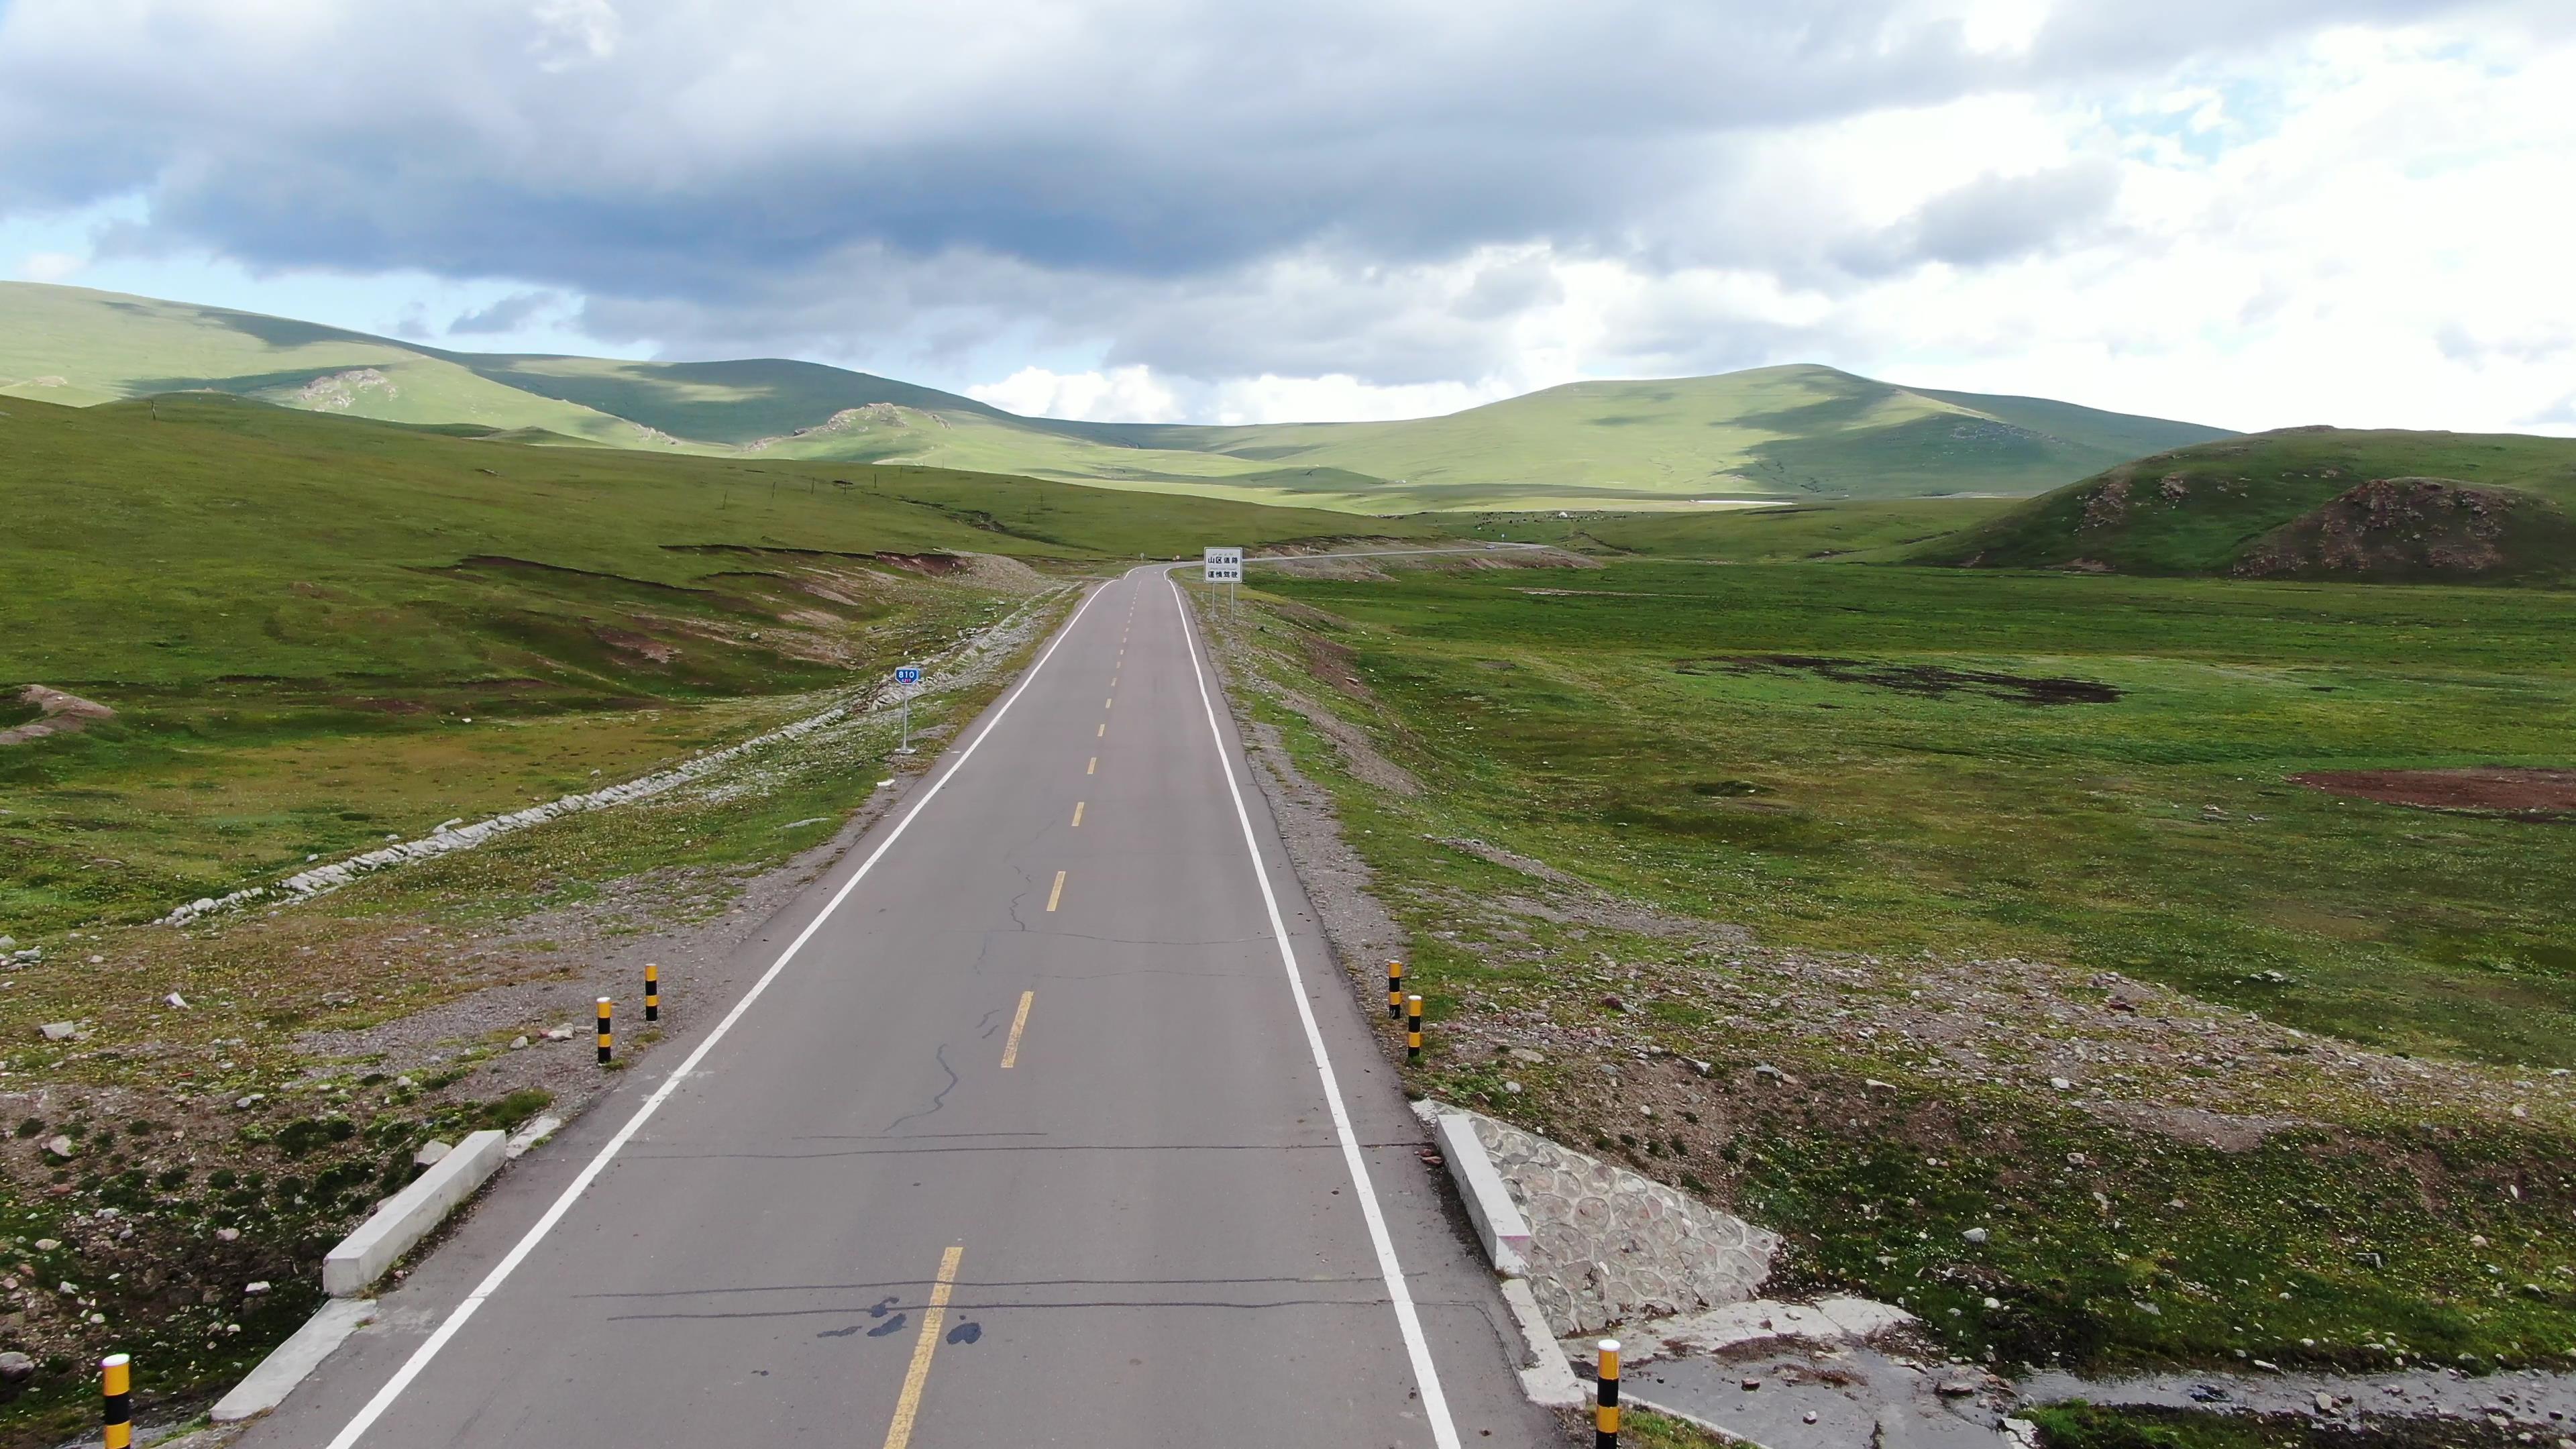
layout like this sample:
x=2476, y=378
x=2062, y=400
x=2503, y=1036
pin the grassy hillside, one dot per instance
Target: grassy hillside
x=1806, y=432
x=296, y=616
x=1799, y=430
x=78, y=347
x=2306, y=503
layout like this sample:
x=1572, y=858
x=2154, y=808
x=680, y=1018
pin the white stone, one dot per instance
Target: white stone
x=175, y=999
x=60, y=1030
x=431, y=1151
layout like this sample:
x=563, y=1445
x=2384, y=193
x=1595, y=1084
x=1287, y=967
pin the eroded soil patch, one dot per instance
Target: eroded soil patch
x=2529, y=793
x=1933, y=680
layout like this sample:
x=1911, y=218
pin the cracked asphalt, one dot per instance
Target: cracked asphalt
x=852, y=1224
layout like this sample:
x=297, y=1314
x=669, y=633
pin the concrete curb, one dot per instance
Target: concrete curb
x=267, y=1386
x=1549, y=1381
x=1498, y=1219
x=411, y=1215
x=1546, y=1379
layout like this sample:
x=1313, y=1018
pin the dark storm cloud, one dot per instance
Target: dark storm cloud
x=799, y=173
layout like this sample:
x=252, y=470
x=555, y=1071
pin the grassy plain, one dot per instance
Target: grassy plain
x=1783, y=533
x=1982, y=833
x=1814, y=753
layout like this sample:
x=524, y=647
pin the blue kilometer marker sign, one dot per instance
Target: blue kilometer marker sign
x=907, y=675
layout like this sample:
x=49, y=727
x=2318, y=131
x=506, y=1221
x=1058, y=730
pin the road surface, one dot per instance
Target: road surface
x=1028, y=1135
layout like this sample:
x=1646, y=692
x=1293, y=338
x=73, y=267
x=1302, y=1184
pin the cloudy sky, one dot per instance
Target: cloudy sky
x=2244, y=212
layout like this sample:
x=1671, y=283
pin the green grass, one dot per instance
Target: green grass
x=2201, y=510
x=2154, y=833
x=1800, y=431
x=317, y=631
x=1786, y=533
x=1847, y=761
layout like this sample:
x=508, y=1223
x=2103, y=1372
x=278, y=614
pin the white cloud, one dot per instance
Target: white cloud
x=50, y=266
x=2249, y=214
x=1120, y=395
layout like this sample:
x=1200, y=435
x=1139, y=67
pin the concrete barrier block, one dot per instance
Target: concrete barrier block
x=411, y=1215
x=1499, y=1224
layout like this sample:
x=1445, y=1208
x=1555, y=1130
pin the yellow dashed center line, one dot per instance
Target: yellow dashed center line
x=1057, y=894
x=1077, y=814
x=1019, y=1023
x=933, y=1318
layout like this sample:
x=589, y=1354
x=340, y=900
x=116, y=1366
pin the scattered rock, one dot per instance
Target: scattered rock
x=2061, y=1084
x=227, y=1235
x=61, y=1146
x=253, y=1100
x=253, y=1290
x=176, y=1000
x=47, y=1245
x=1751, y=1384
x=431, y=1151
x=1976, y=1235
x=60, y=1030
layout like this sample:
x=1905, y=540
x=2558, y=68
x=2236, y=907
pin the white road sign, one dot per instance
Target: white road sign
x=1224, y=566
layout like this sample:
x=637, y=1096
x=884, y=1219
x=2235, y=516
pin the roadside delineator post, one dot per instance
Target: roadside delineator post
x=652, y=992
x=1605, y=1397
x=116, y=1384
x=604, y=1036
x=1395, y=991
x=1413, y=1028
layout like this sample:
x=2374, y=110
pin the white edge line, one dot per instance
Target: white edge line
x=501, y=1271
x=1426, y=1375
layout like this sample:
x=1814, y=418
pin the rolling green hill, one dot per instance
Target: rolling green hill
x=2305, y=503
x=1799, y=432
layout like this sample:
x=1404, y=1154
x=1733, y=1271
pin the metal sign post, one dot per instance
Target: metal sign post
x=1224, y=566
x=907, y=675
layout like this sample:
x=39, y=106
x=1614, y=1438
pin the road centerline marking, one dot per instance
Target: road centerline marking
x=1093, y=768
x=934, y=1316
x=1408, y=1322
x=1101, y=732
x=1077, y=814
x=457, y=1317
x=1056, y=894
x=1019, y=1023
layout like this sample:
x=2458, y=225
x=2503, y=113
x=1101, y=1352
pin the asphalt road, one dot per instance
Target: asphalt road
x=1034, y=1139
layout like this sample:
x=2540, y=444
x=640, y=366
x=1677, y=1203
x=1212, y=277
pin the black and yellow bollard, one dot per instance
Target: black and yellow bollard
x=116, y=1381
x=652, y=992
x=1395, y=991
x=1413, y=1028
x=1605, y=1397
x=604, y=1035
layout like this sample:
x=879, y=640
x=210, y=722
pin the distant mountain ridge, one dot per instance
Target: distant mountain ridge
x=1797, y=431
